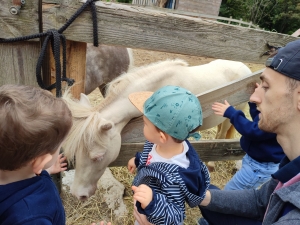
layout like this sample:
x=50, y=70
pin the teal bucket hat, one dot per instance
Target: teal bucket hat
x=172, y=109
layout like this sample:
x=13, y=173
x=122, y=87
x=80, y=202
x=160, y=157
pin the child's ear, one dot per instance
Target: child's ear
x=163, y=137
x=39, y=163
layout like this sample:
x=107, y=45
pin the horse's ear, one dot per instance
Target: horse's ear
x=106, y=126
x=84, y=100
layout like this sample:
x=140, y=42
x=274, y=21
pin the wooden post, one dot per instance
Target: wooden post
x=250, y=24
x=18, y=62
x=76, y=66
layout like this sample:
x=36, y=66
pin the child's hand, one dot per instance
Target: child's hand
x=131, y=165
x=143, y=194
x=220, y=108
x=59, y=166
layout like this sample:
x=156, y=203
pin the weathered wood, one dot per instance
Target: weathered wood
x=18, y=63
x=201, y=15
x=154, y=30
x=146, y=29
x=24, y=23
x=208, y=150
x=235, y=92
x=76, y=66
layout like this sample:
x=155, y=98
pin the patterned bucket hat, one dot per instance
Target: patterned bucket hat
x=172, y=109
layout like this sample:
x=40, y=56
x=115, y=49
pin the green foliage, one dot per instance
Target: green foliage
x=282, y=16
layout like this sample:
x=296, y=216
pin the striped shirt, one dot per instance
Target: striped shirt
x=172, y=186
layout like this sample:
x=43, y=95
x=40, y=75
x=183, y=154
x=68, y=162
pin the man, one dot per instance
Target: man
x=278, y=200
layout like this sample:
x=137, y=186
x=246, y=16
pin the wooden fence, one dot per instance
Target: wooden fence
x=135, y=27
x=153, y=3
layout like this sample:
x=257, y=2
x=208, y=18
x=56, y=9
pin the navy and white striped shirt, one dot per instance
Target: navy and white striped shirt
x=172, y=185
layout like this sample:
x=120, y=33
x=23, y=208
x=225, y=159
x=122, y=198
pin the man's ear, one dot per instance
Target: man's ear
x=298, y=98
x=39, y=163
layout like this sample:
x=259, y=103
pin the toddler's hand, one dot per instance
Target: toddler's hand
x=220, y=108
x=131, y=165
x=143, y=194
x=59, y=165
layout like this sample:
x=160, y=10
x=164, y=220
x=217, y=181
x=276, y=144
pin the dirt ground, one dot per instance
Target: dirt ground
x=96, y=209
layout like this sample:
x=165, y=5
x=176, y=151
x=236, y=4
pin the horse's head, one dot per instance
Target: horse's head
x=93, y=142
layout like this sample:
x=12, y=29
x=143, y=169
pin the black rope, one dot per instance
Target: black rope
x=58, y=39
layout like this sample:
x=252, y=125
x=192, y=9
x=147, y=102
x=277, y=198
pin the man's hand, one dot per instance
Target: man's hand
x=131, y=165
x=220, y=108
x=143, y=194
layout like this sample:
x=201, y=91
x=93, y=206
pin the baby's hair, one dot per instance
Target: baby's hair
x=32, y=123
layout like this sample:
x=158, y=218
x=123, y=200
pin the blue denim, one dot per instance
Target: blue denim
x=252, y=174
x=215, y=218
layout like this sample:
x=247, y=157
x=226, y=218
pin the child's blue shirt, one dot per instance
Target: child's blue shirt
x=33, y=201
x=260, y=145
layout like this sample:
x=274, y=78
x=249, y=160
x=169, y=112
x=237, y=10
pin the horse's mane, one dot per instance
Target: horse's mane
x=119, y=84
x=85, y=126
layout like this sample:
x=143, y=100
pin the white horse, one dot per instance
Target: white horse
x=95, y=138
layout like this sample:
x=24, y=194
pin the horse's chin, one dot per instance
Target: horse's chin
x=83, y=194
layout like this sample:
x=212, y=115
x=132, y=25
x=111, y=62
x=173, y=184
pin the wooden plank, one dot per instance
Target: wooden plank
x=155, y=30
x=235, y=92
x=76, y=66
x=18, y=63
x=146, y=29
x=195, y=14
x=24, y=23
x=208, y=150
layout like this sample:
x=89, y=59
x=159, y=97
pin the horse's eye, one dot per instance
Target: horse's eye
x=98, y=159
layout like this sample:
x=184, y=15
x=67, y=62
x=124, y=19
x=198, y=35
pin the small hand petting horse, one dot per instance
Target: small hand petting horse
x=95, y=138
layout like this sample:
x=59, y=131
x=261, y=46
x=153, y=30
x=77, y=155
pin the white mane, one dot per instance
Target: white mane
x=86, y=123
x=151, y=72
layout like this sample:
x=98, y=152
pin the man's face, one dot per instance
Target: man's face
x=274, y=101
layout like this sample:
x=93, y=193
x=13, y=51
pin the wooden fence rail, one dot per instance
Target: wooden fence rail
x=145, y=28
x=152, y=4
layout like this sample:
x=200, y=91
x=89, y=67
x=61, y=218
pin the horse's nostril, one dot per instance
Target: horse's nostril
x=83, y=198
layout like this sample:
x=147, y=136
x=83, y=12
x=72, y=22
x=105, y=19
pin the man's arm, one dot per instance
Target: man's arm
x=249, y=203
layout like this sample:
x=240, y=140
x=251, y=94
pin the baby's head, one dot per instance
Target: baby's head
x=172, y=109
x=32, y=123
